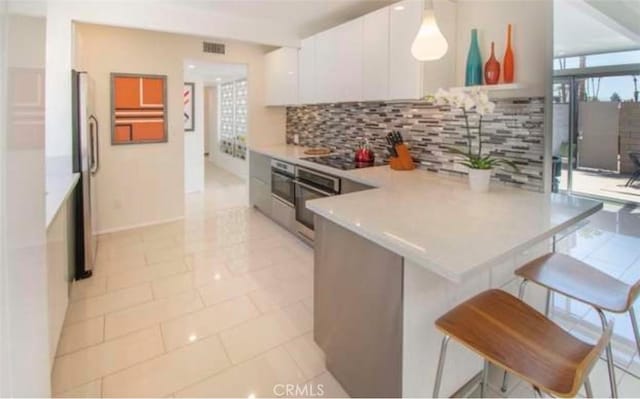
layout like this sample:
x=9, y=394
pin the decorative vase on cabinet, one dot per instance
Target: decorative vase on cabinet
x=492, y=68
x=508, y=62
x=473, y=75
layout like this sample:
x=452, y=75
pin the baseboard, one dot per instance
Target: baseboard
x=137, y=226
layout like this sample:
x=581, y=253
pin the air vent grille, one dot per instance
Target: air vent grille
x=215, y=48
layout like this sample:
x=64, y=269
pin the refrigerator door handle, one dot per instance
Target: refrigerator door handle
x=95, y=145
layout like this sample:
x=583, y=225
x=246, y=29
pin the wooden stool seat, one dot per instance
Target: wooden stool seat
x=516, y=337
x=578, y=280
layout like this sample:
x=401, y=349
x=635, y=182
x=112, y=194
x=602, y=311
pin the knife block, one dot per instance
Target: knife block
x=403, y=161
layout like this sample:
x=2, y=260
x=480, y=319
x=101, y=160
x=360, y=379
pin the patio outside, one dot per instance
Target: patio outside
x=605, y=137
x=603, y=184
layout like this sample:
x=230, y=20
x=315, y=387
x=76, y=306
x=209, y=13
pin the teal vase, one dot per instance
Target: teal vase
x=473, y=75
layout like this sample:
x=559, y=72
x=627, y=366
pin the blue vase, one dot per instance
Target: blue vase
x=473, y=75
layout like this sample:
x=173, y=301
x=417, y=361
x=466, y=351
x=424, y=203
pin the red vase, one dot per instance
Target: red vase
x=492, y=68
x=507, y=62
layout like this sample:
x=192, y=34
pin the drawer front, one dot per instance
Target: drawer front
x=260, y=167
x=260, y=195
x=283, y=214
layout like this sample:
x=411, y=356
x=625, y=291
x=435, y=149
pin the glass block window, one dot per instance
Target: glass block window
x=233, y=118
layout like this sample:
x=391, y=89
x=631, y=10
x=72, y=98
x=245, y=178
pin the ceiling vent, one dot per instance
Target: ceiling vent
x=214, y=48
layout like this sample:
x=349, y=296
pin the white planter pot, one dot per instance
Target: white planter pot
x=479, y=180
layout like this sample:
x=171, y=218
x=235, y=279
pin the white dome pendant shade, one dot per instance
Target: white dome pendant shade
x=429, y=43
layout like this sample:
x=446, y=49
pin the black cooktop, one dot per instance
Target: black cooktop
x=343, y=161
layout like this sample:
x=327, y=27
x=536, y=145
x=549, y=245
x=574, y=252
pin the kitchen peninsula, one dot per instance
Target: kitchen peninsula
x=427, y=242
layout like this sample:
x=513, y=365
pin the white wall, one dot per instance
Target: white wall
x=5, y=375
x=210, y=116
x=137, y=184
x=194, y=141
x=24, y=337
x=442, y=73
x=532, y=23
x=187, y=20
x=59, y=56
x=145, y=183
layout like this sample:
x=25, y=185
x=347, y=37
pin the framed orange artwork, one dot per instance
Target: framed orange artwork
x=138, y=108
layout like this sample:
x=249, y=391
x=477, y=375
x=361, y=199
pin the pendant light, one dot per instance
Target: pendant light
x=429, y=43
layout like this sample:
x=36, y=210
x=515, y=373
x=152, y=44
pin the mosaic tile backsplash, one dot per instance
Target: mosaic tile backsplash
x=515, y=131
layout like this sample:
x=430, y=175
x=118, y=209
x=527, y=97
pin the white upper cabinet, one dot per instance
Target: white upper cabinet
x=375, y=54
x=405, y=72
x=326, y=66
x=307, y=71
x=365, y=59
x=349, y=47
x=338, y=63
x=281, y=76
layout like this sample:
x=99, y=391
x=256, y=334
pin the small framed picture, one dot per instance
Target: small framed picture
x=138, y=108
x=189, y=107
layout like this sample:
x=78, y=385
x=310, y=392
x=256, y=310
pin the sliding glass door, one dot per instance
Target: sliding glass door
x=596, y=134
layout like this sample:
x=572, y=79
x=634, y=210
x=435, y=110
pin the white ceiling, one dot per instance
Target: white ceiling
x=304, y=17
x=595, y=26
x=210, y=72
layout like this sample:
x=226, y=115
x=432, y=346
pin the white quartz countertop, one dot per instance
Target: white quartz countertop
x=58, y=190
x=435, y=221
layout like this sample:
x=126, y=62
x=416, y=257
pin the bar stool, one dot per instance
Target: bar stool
x=582, y=282
x=514, y=336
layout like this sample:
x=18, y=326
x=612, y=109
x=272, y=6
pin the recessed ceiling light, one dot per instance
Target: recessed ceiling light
x=398, y=8
x=218, y=79
x=191, y=66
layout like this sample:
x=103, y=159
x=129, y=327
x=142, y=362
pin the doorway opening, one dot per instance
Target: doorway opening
x=216, y=148
x=596, y=127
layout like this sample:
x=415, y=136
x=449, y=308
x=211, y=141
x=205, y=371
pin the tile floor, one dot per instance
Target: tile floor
x=220, y=304
x=216, y=305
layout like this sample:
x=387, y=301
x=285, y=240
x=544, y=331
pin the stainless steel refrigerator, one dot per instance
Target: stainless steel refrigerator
x=86, y=161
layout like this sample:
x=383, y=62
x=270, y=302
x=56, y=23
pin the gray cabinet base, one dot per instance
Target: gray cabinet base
x=358, y=311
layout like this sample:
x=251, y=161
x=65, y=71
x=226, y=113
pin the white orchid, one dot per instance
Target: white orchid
x=473, y=100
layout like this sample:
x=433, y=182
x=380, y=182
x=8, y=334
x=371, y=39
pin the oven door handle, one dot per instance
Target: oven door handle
x=280, y=199
x=311, y=188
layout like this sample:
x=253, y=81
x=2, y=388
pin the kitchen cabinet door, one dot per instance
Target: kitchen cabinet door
x=339, y=63
x=260, y=167
x=326, y=65
x=307, y=71
x=405, y=72
x=260, y=195
x=375, y=55
x=281, y=76
x=349, y=59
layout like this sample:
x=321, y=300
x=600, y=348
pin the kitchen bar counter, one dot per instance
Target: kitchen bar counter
x=390, y=260
x=436, y=222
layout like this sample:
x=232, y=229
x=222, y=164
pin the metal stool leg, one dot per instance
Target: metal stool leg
x=523, y=285
x=443, y=354
x=536, y=392
x=634, y=324
x=505, y=377
x=587, y=388
x=485, y=379
x=505, y=382
x=547, y=305
x=612, y=373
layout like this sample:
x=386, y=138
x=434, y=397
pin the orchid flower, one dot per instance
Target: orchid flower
x=474, y=100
